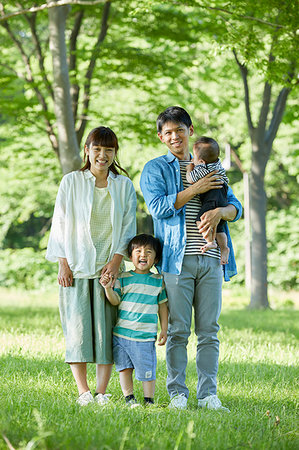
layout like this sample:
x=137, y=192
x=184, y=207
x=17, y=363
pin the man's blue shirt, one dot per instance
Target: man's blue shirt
x=160, y=183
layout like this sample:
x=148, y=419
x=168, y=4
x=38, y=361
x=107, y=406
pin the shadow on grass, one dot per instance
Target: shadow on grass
x=270, y=321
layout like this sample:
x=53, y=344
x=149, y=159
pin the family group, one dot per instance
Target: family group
x=110, y=315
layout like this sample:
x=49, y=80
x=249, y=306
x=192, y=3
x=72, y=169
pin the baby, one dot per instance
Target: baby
x=206, y=160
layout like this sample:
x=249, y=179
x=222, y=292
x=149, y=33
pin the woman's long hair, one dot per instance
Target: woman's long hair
x=104, y=137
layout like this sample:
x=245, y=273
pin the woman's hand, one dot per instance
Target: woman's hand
x=205, y=184
x=65, y=275
x=111, y=269
x=106, y=281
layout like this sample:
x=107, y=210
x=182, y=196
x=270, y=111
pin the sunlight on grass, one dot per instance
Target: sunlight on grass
x=258, y=373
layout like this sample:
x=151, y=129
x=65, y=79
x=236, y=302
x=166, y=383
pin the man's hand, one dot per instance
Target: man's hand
x=205, y=184
x=209, y=221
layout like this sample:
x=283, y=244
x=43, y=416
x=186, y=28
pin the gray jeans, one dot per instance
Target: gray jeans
x=199, y=285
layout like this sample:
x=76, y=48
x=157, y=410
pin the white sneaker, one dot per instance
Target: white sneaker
x=178, y=402
x=132, y=403
x=102, y=399
x=212, y=402
x=85, y=398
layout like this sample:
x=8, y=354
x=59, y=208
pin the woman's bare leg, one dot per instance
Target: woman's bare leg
x=80, y=374
x=103, y=377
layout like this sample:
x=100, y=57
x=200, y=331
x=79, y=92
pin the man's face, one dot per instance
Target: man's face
x=176, y=137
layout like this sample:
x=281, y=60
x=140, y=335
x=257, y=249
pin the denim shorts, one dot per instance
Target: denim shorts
x=137, y=355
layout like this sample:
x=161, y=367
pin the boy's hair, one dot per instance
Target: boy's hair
x=141, y=240
x=207, y=149
x=174, y=114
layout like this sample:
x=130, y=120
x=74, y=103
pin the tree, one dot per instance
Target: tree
x=54, y=90
x=271, y=48
x=264, y=41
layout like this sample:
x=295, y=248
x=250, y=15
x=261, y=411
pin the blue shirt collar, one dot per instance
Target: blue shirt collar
x=170, y=157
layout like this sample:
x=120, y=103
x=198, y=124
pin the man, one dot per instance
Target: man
x=192, y=279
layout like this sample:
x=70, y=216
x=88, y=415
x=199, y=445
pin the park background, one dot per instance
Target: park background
x=67, y=69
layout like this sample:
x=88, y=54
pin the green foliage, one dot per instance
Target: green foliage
x=258, y=366
x=155, y=54
x=26, y=268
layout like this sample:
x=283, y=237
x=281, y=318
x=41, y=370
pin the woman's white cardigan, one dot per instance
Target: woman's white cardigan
x=70, y=236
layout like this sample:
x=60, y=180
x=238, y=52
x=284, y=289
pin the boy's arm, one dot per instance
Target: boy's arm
x=113, y=297
x=163, y=317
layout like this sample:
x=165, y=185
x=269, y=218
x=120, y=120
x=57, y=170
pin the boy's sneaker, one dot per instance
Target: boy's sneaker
x=132, y=403
x=178, y=402
x=212, y=402
x=102, y=399
x=85, y=398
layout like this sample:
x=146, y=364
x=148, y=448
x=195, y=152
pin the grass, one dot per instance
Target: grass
x=258, y=381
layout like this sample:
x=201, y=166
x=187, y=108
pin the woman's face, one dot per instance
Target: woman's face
x=100, y=157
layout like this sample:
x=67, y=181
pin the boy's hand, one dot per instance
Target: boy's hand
x=162, y=338
x=106, y=280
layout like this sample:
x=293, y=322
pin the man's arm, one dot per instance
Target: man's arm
x=231, y=212
x=203, y=185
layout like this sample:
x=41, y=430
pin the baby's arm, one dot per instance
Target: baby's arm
x=106, y=281
x=189, y=169
x=163, y=317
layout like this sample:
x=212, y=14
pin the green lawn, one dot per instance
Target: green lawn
x=258, y=381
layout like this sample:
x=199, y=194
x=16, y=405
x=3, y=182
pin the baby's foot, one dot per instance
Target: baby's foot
x=224, y=255
x=208, y=246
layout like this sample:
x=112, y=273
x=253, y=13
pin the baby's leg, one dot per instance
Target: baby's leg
x=222, y=242
x=126, y=381
x=211, y=243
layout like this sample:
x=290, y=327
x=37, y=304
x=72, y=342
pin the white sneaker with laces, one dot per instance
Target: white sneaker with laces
x=102, y=399
x=212, y=402
x=85, y=398
x=178, y=402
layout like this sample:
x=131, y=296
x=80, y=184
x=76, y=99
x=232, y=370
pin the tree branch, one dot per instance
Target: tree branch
x=30, y=79
x=277, y=115
x=32, y=24
x=89, y=72
x=73, y=62
x=53, y=4
x=244, y=74
x=265, y=108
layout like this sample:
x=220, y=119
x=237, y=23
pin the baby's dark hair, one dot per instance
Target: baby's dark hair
x=141, y=240
x=207, y=149
x=174, y=114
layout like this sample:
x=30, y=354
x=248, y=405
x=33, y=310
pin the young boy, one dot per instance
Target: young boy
x=205, y=161
x=141, y=297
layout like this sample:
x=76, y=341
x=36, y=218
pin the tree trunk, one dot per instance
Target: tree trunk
x=258, y=208
x=69, y=152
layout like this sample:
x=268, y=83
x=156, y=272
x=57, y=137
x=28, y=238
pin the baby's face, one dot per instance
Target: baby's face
x=196, y=159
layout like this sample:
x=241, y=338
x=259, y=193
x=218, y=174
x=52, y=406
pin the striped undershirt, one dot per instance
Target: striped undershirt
x=140, y=296
x=194, y=240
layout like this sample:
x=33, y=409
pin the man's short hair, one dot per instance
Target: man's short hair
x=141, y=240
x=174, y=114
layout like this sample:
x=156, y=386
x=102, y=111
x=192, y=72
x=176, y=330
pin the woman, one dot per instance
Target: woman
x=94, y=219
